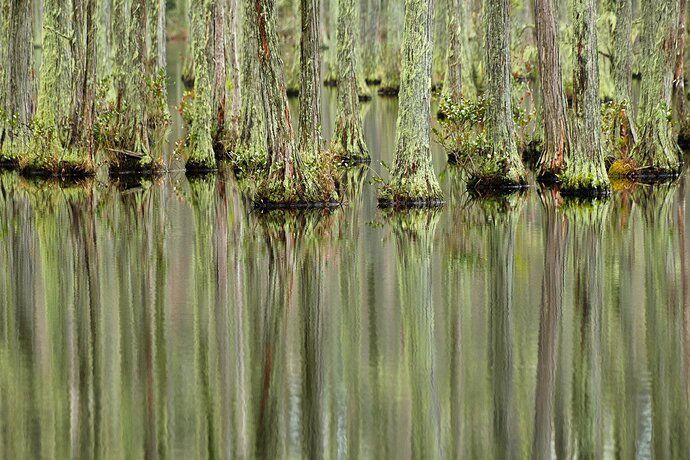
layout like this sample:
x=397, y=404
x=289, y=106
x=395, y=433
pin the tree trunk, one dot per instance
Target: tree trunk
x=288, y=181
x=657, y=154
x=585, y=172
x=371, y=63
x=348, y=139
x=624, y=124
x=557, y=139
x=501, y=166
x=157, y=38
x=16, y=73
x=440, y=51
x=413, y=180
x=452, y=87
x=218, y=66
x=250, y=148
x=310, y=70
x=200, y=143
x=392, y=26
x=679, y=76
x=233, y=72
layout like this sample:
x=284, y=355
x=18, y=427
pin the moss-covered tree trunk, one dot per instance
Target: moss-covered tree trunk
x=657, y=154
x=289, y=182
x=61, y=142
x=232, y=68
x=413, y=180
x=585, y=172
x=440, y=40
x=500, y=165
x=392, y=26
x=250, y=147
x=201, y=155
x=17, y=94
x=156, y=29
x=679, y=100
x=557, y=139
x=218, y=62
x=452, y=86
x=348, y=139
x=310, y=75
x=370, y=57
x=624, y=128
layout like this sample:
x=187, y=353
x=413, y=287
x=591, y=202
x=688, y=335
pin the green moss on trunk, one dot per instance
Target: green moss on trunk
x=348, y=139
x=413, y=181
x=452, y=85
x=501, y=166
x=290, y=181
x=656, y=153
x=585, y=172
x=392, y=26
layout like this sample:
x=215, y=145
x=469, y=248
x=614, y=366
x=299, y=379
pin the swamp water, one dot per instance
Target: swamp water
x=169, y=318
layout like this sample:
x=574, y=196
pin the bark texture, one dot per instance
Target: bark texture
x=232, y=67
x=370, y=56
x=413, y=180
x=585, y=172
x=557, y=139
x=500, y=165
x=656, y=153
x=348, y=139
x=392, y=25
x=310, y=74
x=289, y=182
x=250, y=148
x=200, y=143
x=679, y=98
x=452, y=86
x=17, y=91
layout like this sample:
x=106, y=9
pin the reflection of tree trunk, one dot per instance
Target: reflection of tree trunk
x=556, y=230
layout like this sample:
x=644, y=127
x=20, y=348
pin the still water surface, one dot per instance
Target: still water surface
x=170, y=319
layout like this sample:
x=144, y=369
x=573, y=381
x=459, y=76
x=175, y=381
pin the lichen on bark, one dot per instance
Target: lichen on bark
x=310, y=142
x=348, y=138
x=452, y=85
x=500, y=166
x=201, y=156
x=657, y=153
x=289, y=180
x=391, y=28
x=557, y=136
x=584, y=171
x=413, y=181
x=61, y=140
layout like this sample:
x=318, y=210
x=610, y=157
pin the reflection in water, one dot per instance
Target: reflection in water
x=169, y=319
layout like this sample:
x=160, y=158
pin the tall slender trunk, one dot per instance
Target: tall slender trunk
x=288, y=181
x=371, y=64
x=348, y=139
x=310, y=70
x=439, y=63
x=656, y=153
x=501, y=166
x=200, y=143
x=250, y=148
x=232, y=65
x=392, y=24
x=585, y=171
x=557, y=139
x=413, y=179
x=452, y=87
x=17, y=93
x=680, y=102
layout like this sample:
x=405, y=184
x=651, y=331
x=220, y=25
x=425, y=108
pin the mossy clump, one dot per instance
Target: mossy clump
x=47, y=152
x=618, y=131
x=584, y=178
x=414, y=190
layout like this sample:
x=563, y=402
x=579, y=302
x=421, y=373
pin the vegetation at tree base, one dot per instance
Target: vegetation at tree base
x=520, y=84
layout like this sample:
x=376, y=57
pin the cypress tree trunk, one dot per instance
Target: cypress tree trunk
x=557, y=139
x=585, y=172
x=200, y=143
x=288, y=182
x=61, y=141
x=679, y=76
x=218, y=66
x=452, y=86
x=16, y=74
x=392, y=26
x=232, y=65
x=250, y=148
x=348, y=139
x=310, y=70
x=624, y=125
x=656, y=153
x=413, y=180
x=500, y=166
x=371, y=64
x=157, y=38
x=440, y=51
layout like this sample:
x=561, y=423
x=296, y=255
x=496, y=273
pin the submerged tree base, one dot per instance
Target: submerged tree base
x=372, y=81
x=125, y=163
x=628, y=169
x=71, y=164
x=409, y=191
